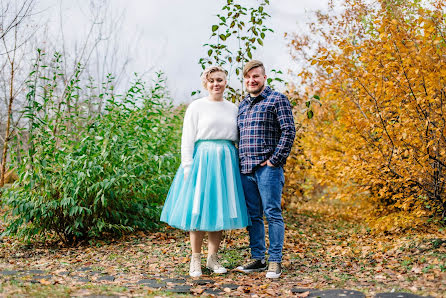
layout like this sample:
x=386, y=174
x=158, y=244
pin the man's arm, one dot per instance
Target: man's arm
x=286, y=123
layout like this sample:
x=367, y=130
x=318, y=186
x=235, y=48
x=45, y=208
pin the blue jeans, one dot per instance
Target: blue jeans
x=263, y=192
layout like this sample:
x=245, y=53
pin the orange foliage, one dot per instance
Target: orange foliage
x=380, y=71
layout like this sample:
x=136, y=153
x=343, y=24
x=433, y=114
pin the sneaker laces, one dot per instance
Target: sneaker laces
x=213, y=262
x=252, y=263
x=273, y=266
x=195, y=264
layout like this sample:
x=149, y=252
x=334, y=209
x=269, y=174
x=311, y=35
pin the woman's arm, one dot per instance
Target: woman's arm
x=188, y=139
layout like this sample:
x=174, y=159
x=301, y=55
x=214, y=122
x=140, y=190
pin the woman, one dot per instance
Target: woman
x=206, y=194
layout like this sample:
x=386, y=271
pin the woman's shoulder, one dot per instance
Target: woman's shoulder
x=197, y=103
x=203, y=103
x=231, y=105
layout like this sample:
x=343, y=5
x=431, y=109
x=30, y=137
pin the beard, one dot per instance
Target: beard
x=255, y=89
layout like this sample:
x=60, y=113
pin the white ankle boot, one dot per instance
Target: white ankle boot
x=213, y=264
x=195, y=265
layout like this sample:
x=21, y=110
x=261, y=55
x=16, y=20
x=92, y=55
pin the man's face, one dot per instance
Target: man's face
x=255, y=81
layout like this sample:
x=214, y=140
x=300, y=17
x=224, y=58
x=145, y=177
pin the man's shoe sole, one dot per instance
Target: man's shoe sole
x=240, y=269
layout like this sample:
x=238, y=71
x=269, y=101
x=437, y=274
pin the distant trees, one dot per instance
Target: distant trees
x=14, y=16
x=93, y=57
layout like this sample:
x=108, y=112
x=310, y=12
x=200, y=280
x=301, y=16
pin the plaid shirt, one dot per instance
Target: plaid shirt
x=266, y=130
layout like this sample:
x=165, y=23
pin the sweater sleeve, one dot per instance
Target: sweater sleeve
x=188, y=139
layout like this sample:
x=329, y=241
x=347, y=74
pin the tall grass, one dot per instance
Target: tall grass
x=93, y=164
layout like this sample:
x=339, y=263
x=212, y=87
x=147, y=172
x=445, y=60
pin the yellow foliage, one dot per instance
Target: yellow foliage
x=380, y=73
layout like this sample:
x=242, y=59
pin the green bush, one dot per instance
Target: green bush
x=87, y=173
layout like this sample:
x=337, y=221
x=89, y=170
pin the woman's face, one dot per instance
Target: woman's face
x=216, y=83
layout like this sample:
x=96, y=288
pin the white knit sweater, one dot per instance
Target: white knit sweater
x=207, y=120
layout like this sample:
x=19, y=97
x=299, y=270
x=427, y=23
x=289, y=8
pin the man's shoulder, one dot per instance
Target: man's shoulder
x=276, y=94
x=244, y=101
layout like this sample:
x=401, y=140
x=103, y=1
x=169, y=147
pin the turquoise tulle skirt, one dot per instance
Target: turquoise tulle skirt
x=211, y=198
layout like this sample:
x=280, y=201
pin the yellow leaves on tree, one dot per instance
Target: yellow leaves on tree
x=380, y=71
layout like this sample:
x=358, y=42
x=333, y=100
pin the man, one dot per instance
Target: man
x=267, y=132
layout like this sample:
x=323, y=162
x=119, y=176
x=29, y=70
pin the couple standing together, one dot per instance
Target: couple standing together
x=217, y=188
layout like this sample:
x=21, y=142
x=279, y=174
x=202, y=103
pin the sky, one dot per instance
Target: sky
x=169, y=35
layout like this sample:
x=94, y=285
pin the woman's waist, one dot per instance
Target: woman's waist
x=214, y=141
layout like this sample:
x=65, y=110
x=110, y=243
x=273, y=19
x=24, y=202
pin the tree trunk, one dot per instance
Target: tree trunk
x=8, y=127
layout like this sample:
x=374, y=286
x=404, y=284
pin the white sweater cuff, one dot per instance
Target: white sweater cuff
x=186, y=170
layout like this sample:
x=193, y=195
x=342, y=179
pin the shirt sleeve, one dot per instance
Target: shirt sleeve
x=288, y=131
x=237, y=135
x=188, y=139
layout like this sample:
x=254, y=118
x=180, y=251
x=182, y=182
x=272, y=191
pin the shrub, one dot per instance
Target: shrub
x=89, y=173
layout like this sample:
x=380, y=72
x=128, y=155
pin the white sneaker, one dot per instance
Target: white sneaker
x=213, y=264
x=195, y=265
x=274, y=270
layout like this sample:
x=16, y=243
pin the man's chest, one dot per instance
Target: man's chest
x=256, y=113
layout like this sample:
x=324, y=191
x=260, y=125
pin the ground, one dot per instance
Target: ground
x=321, y=252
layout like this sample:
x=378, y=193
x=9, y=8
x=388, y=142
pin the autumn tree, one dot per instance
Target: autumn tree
x=379, y=68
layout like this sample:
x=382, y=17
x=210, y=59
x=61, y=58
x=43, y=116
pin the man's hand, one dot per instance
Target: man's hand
x=268, y=163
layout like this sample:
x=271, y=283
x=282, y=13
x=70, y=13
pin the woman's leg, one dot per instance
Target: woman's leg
x=214, y=242
x=196, y=241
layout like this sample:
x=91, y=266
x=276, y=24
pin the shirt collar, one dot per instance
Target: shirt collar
x=264, y=94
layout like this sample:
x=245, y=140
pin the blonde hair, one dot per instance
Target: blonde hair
x=253, y=64
x=208, y=71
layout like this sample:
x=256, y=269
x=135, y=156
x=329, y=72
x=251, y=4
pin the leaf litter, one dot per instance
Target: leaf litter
x=320, y=252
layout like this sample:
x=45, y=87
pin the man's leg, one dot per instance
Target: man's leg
x=270, y=184
x=255, y=211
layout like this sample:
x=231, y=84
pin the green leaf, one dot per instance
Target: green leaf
x=260, y=41
x=310, y=114
x=316, y=97
x=210, y=53
x=222, y=37
x=214, y=28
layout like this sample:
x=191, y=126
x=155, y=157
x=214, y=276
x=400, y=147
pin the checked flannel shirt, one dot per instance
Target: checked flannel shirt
x=266, y=130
